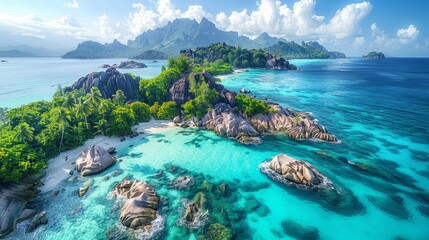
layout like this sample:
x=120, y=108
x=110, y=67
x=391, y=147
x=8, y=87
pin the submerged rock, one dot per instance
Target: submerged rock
x=139, y=210
x=183, y=182
x=13, y=199
x=288, y=170
x=82, y=191
x=39, y=219
x=93, y=160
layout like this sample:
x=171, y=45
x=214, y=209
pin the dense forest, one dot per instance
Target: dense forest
x=32, y=133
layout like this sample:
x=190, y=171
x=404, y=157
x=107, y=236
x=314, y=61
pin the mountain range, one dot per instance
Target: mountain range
x=172, y=38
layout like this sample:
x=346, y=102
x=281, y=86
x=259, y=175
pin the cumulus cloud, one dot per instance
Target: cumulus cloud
x=106, y=31
x=407, y=35
x=145, y=18
x=359, y=41
x=72, y=4
x=301, y=20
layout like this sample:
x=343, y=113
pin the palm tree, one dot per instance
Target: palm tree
x=102, y=127
x=104, y=107
x=62, y=116
x=83, y=109
x=24, y=132
x=69, y=101
x=94, y=97
x=119, y=98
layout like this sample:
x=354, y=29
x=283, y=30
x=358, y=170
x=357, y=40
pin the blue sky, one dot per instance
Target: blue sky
x=398, y=28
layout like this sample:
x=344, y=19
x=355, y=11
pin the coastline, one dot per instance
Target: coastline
x=58, y=168
x=235, y=72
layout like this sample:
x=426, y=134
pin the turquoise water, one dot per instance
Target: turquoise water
x=378, y=109
x=25, y=80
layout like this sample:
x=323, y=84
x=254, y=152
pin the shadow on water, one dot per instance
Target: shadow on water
x=299, y=232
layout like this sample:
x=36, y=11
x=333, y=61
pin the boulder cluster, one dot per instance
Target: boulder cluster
x=108, y=83
x=226, y=120
x=140, y=208
x=294, y=172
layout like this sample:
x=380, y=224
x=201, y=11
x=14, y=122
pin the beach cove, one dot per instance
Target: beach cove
x=264, y=209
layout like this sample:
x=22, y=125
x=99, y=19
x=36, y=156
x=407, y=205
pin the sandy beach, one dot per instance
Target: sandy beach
x=58, y=168
x=236, y=71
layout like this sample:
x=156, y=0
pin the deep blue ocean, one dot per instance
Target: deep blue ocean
x=379, y=109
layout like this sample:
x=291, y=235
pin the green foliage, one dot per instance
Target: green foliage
x=204, y=96
x=123, y=119
x=141, y=111
x=236, y=57
x=119, y=98
x=156, y=89
x=296, y=119
x=294, y=50
x=181, y=63
x=154, y=109
x=251, y=106
x=218, y=67
x=167, y=111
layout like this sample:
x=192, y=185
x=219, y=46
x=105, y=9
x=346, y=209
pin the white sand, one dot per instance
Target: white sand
x=58, y=169
x=236, y=71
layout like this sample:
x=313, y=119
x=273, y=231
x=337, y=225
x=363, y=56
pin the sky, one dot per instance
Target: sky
x=396, y=27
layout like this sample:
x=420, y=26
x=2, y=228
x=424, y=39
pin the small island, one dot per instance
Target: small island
x=151, y=55
x=374, y=55
x=126, y=64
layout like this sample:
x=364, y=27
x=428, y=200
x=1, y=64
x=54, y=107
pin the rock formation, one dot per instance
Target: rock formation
x=108, y=83
x=139, y=210
x=39, y=219
x=295, y=124
x=13, y=198
x=93, y=160
x=294, y=172
x=226, y=122
x=278, y=63
x=129, y=64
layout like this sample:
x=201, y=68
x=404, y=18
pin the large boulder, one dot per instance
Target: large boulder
x=93, y=160
x=299, y=173
x=39, y=219
x=108, y=83
x=139, y=210
x=14, y=198
x=226, y=122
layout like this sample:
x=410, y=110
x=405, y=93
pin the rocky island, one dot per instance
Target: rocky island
x=374, y=55
x=126, y=64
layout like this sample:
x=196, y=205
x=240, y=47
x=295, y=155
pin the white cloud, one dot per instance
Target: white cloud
x=72, y=4
x=407, y=35
x=359, y=41
x=145, y=19
x=301, y=20
x=105, y=29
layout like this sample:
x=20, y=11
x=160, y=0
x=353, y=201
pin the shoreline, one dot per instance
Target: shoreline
x=58, y=168
x=235, y=72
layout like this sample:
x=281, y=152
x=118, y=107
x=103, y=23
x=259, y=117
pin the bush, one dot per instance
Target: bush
x=167, y=111
x=141, y=111
x=154, y=109
x=251, y=106
x=123, y=120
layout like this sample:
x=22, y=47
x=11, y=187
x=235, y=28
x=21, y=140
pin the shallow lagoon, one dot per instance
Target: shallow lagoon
x=377, y=108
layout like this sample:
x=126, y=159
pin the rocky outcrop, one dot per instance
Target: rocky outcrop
x=129, y=64
x=226, y=122
x=39, y=219
x=179, y=91
x=195, y=215
x=13, y=199
x=93, y=160
x=294, y=172
x=139, y=210
x=296, y=125
x=108, y=83
x=278, y=63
